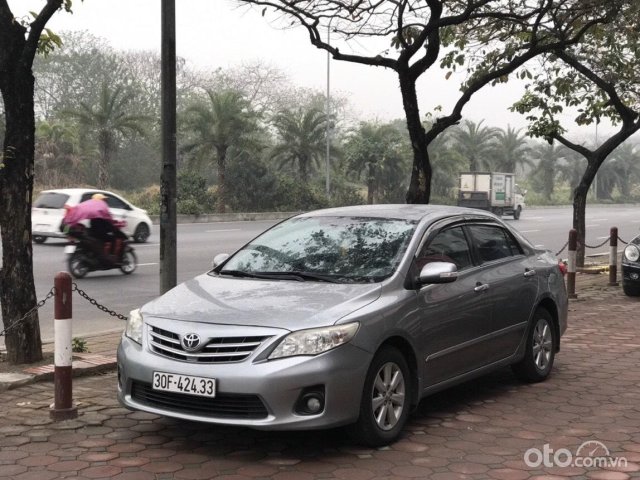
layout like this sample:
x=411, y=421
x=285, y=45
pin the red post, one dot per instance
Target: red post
x=63, y=407
x=571, y=264
x=613, y=257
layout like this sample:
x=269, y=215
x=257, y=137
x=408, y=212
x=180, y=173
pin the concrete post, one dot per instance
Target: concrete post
x=571, y=265
x=613, y=257
x=63, y=407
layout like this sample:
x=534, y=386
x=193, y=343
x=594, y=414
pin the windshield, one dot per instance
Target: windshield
x=343, y=249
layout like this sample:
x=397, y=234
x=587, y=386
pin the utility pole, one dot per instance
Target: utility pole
x=328, y=112
x=168, y=184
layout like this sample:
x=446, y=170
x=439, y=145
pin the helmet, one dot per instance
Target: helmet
x=98, y=196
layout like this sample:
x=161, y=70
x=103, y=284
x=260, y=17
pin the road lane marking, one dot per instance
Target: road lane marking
x=146, y=264
x=528, y=231
x=148, y=245
x=228, y=230
x=593, y=225
x=599, y=219
x=533, y=218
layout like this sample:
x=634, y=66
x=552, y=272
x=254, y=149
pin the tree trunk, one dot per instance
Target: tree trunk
x=105, y=160
x=370, y=184
x=221, y=202
x=17, y=289
x=420, y=183
x=580, y=207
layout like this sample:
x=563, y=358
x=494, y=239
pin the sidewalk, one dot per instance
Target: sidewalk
x=478, y=430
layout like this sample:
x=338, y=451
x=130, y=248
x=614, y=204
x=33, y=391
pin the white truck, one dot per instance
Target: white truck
x=496, y=192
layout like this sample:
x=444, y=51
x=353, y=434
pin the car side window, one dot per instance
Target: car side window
x=449, y=245
x=493, y=242
x=114, y=202
x=86, y=196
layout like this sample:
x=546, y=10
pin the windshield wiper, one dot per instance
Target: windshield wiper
x=293, y=275
x=302, y=276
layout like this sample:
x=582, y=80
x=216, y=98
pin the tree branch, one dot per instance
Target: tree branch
x=626, y=114
x=37, y=26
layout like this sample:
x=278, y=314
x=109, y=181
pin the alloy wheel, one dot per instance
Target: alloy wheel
x=388, y=396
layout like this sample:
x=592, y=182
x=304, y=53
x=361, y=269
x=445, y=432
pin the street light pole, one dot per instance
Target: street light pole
x=328, y=111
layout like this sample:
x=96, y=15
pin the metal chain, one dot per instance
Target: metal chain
x=92, y=301
x=562, y=249
x=591, y=246
x=598, y=246
x=40, y=304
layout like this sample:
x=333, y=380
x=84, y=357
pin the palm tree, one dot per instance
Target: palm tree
x=57, y=157
x=475, y=143
x=111, y=120
x=302, y=139
x=510, y=150
x=223, y=122
x=375, y=151
x=543, y=176
x=447, y=163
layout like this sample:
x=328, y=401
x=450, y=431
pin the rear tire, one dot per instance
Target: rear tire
x=78, y=265
x=540, y=349
x=39, y=239
x=129, y=262
x=386, y=400
x=631, y=290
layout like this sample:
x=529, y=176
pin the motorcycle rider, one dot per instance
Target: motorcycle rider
x=107, y=238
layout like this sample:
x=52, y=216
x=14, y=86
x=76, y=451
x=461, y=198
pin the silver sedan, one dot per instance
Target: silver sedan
x=346, y=316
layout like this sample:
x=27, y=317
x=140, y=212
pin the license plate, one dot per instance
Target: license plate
x=171, y=382
x=69, y=249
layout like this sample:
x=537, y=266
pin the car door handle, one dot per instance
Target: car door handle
x=481, y=287
x=529, y=273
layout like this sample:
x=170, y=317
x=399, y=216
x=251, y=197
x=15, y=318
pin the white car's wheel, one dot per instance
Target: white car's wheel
x=142, y=233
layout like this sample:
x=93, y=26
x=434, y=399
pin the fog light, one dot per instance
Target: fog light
x=310, y=401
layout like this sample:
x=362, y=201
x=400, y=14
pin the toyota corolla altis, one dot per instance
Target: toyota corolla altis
x=346, y=316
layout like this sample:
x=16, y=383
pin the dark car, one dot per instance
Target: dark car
x=631, y=268
x=346, y=316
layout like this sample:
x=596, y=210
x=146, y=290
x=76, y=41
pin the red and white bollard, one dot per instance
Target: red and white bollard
x=571, y=264
x=613, y=257
x=63, y=407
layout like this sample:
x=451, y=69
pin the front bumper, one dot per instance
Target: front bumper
x=631, y=273
x=271, y=387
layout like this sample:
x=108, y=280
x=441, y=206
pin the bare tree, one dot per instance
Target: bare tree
x=491, y=38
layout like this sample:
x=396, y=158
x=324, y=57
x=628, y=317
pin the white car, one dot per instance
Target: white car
x=48, y=210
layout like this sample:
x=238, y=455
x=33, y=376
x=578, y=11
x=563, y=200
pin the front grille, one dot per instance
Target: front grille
x=224, y=405
x=216, y=350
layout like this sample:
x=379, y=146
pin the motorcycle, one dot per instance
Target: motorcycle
x=83, y=258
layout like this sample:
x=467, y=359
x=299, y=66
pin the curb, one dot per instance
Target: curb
x=82, y=364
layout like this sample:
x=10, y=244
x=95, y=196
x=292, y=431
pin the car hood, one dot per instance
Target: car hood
x=291, y=305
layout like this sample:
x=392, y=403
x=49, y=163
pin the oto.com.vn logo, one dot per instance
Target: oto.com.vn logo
x=588, y=455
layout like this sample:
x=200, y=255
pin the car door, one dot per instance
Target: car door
x=119, y=210
x=454, y=316
x=511, y=284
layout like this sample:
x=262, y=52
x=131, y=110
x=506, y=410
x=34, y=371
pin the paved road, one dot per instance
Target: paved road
x=199, y=243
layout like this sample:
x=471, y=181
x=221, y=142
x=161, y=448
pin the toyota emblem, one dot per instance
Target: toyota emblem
x=191, y=342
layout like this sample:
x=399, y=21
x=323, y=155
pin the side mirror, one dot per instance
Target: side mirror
x=438, y=272
x=220, y=259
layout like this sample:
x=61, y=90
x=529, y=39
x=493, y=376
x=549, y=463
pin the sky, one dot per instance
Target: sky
x=223, y=33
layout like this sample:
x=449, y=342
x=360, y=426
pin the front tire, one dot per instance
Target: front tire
x=386, y=400
x=517, y=212
x=39, y=239
x=540, y=350
x=142, y=233
x=78, y=265
x=631, y=290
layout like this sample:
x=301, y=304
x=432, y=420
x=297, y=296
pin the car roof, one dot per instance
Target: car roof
x=71, y=191
x=399, y=211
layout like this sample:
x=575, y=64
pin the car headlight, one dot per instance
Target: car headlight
x=632, y=253
x=134, y=326
x=314, y=341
